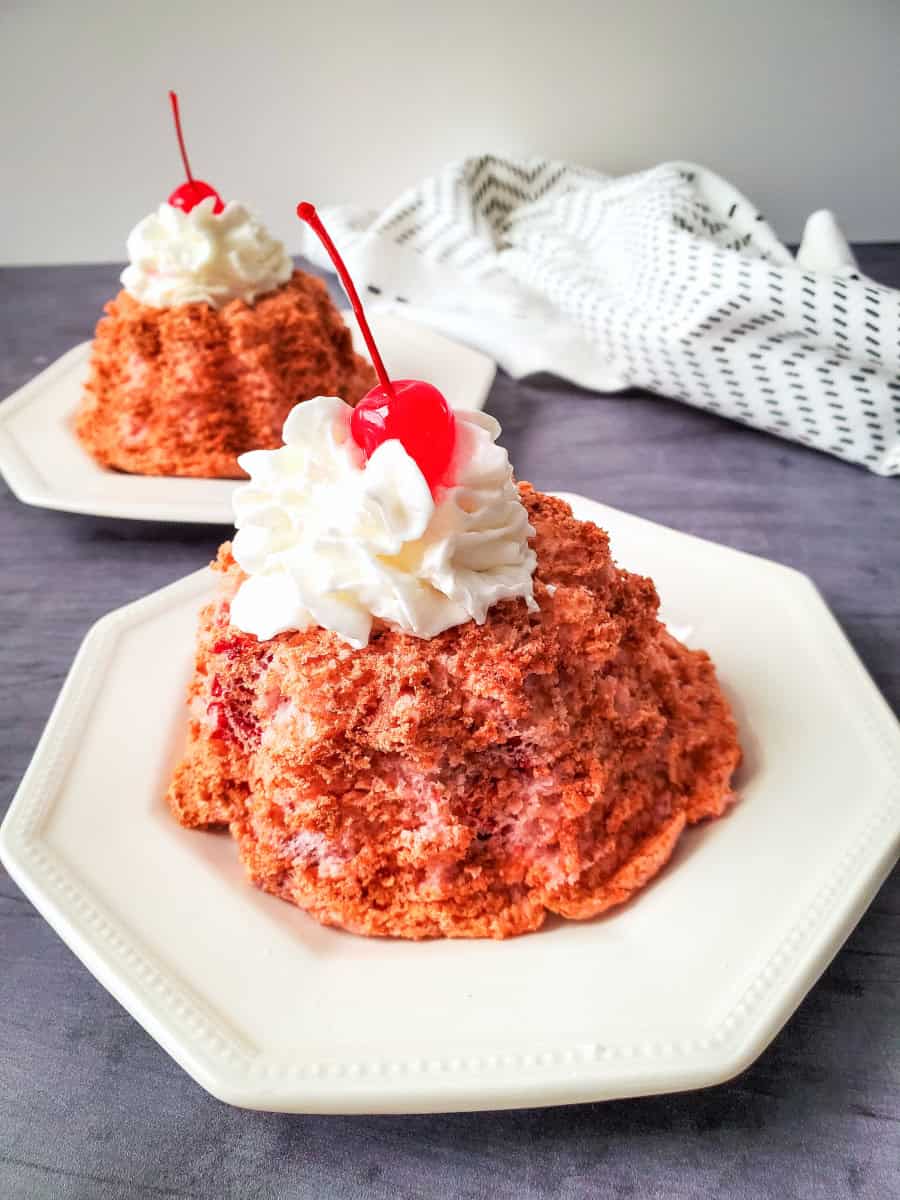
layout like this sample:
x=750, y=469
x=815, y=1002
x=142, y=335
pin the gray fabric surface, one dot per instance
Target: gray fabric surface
x=91, y=1107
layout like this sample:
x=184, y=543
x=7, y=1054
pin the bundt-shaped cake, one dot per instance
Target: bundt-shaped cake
x=469, y=783
x=185, y=389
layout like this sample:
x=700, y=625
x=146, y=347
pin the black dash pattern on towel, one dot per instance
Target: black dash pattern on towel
x=668, y=280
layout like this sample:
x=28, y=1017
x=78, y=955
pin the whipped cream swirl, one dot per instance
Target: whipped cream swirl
x=329, y=539
x=200, y=256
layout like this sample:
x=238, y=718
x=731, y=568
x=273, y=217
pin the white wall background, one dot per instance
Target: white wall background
x=797, y=101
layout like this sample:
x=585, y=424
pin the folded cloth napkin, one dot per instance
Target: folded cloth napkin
x=668, y=280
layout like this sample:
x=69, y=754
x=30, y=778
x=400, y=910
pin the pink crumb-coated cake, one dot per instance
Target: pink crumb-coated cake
x=211, y=342
x=545, y=761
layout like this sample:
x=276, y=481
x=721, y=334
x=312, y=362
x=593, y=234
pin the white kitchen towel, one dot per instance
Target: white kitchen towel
x=668, y=280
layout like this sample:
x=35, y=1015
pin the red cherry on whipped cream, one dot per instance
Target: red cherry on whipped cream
x=410, y=410
x=190, y=194
x=417, y=415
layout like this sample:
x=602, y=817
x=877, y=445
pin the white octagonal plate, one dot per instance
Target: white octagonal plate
x=682, y=987
x=44, y=464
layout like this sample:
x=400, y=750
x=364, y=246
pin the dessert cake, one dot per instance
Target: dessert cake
x=211, y=342
x=426, y=702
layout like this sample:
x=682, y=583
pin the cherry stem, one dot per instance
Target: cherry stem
x=307, y=212
x=173, y=100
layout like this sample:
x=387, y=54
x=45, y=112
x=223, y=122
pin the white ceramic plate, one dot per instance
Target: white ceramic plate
x=683, y=987
x=44, y=464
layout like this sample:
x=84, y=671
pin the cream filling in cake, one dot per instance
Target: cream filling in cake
x=329, y=539
x=179, y=257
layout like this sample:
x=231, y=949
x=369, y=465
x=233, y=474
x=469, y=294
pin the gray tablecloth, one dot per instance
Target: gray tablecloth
x=91, y=1107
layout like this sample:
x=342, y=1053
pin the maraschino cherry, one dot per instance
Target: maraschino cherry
x=190, y=194
x=410, y=410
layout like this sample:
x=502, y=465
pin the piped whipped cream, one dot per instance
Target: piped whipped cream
x=329, y=539
x=179, y=257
